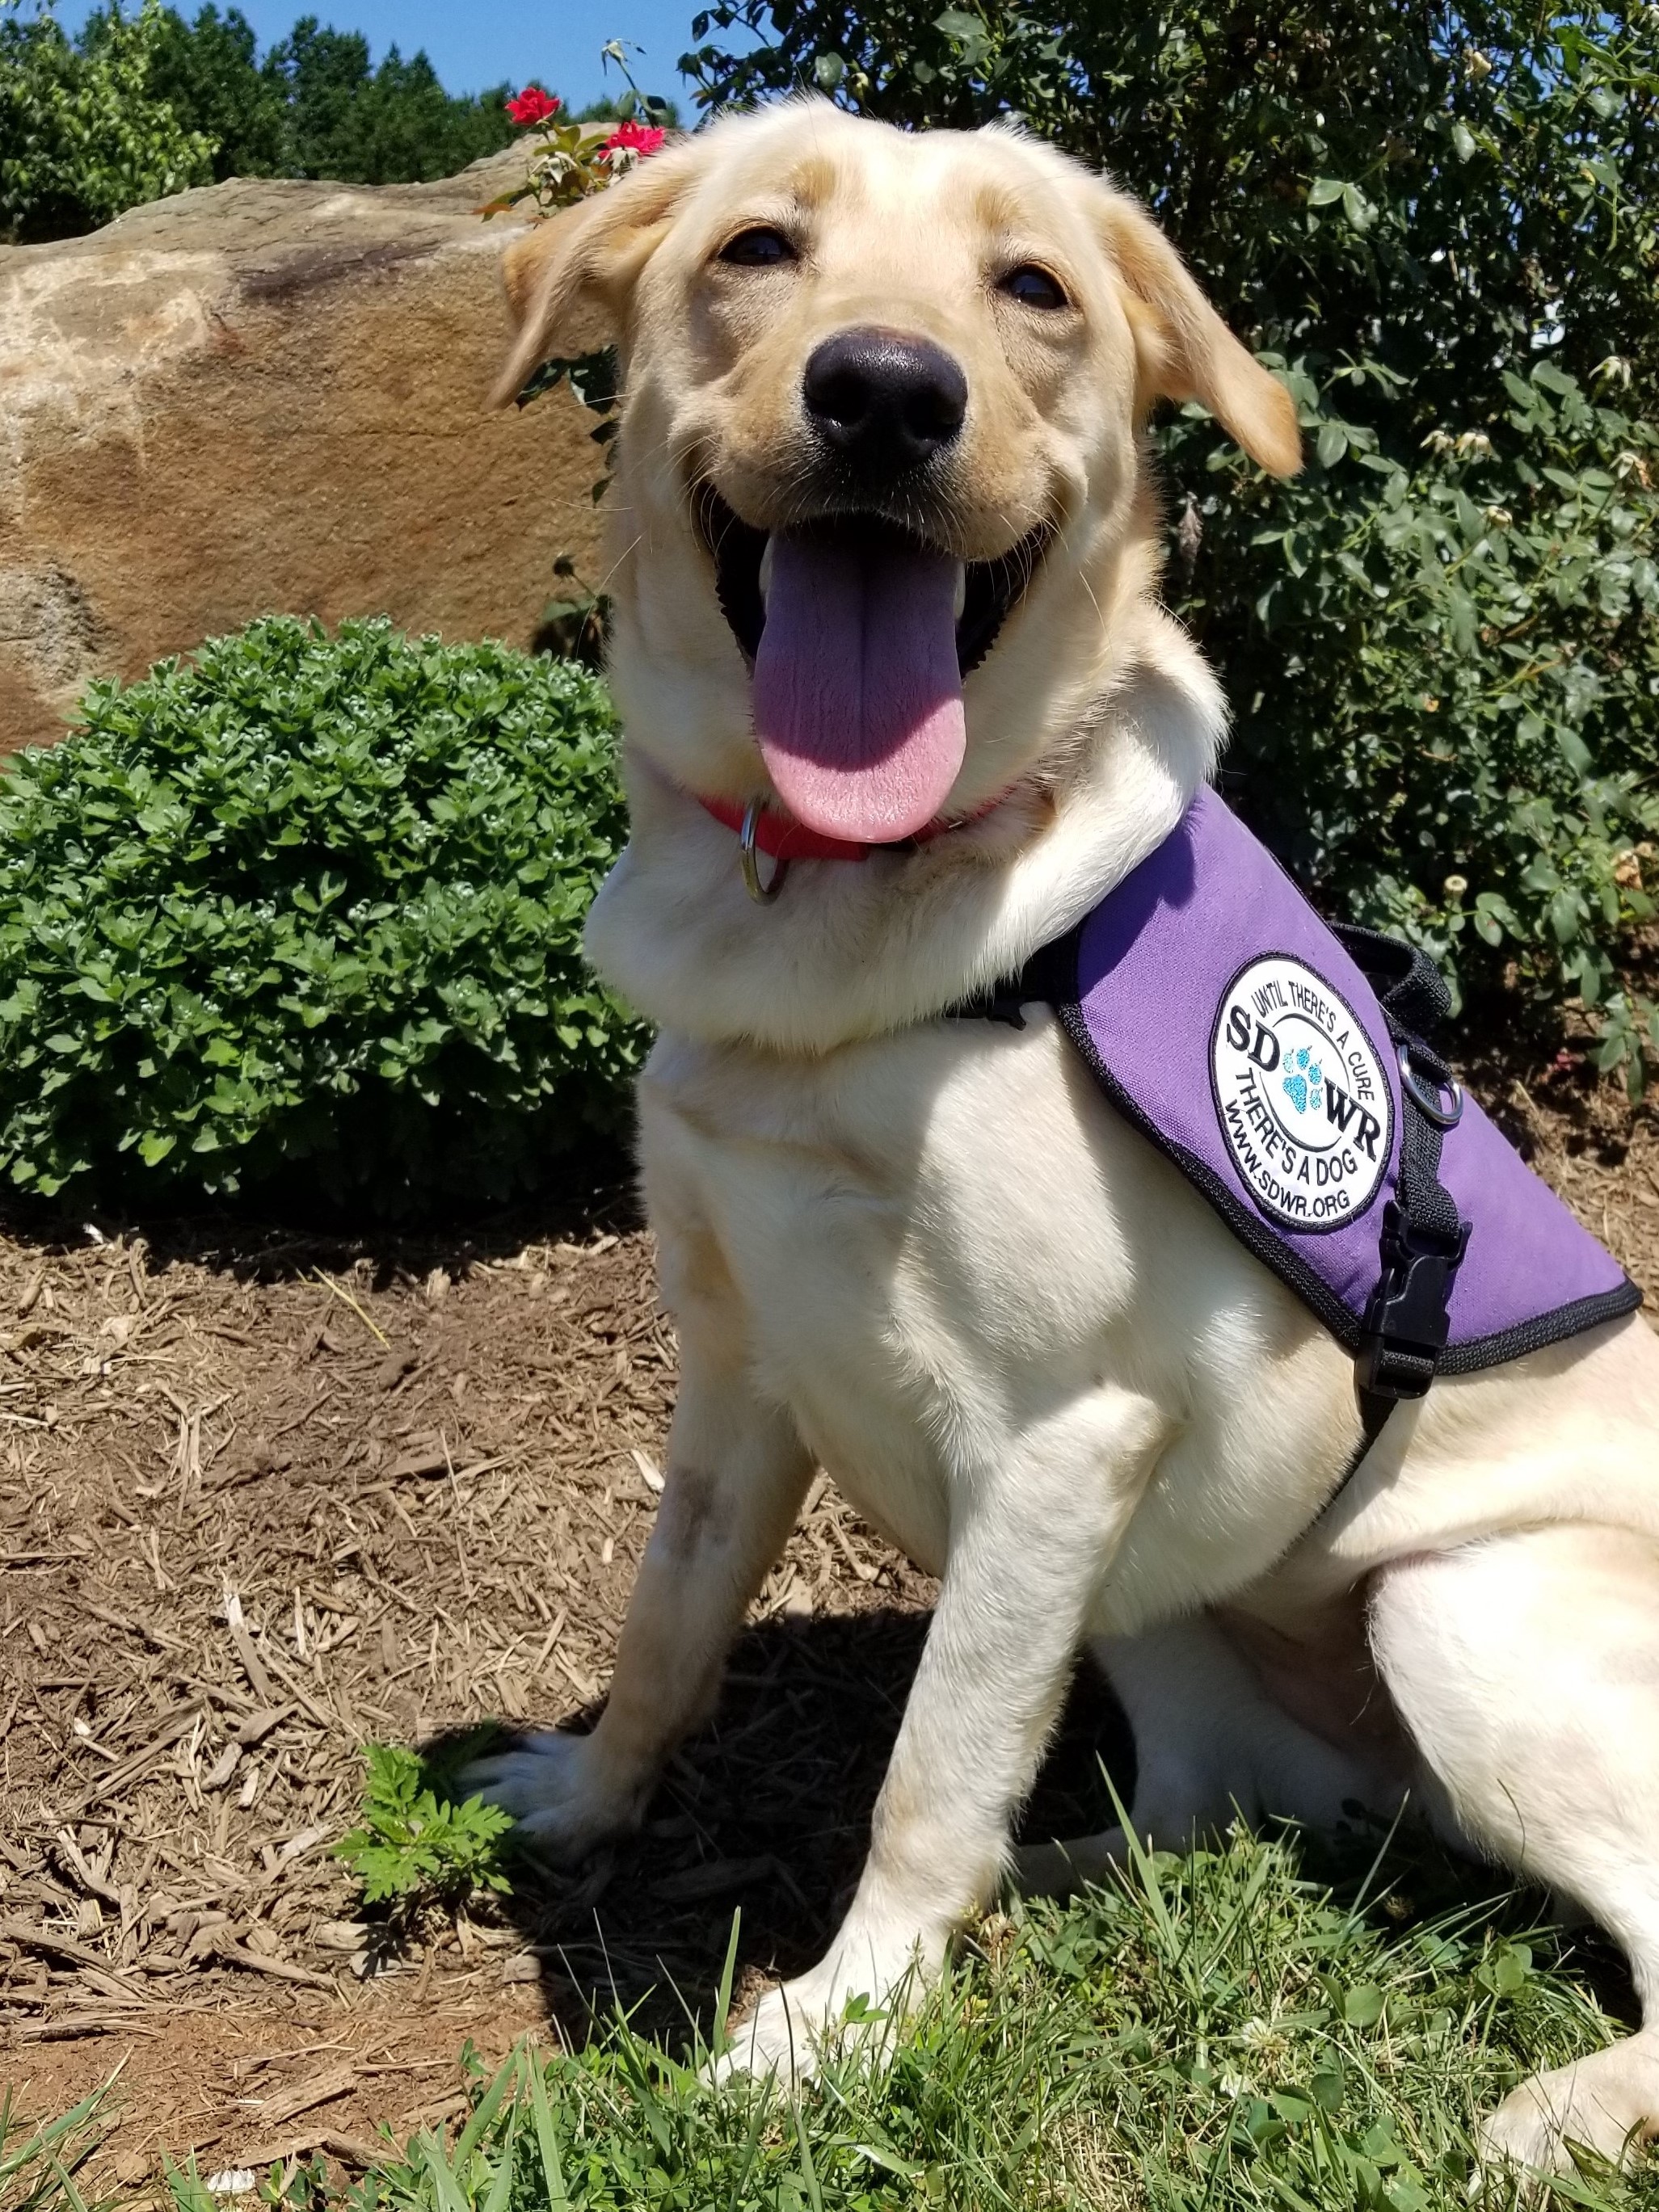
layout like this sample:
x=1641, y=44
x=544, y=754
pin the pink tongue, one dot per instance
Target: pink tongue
x=857, y=696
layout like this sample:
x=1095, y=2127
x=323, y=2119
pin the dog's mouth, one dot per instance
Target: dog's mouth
x=860, y=634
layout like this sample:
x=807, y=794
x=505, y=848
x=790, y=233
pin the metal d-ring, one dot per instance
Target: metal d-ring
x=762, y=894
x=1427, y=1096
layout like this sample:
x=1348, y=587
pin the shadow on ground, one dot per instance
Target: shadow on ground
x=766, y=1812
x=281, y=1233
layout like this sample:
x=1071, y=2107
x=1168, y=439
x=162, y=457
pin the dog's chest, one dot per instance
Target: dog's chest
x=904, y=1223
x=937, y=1241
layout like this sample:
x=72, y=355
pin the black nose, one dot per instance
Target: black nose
x=886, y=402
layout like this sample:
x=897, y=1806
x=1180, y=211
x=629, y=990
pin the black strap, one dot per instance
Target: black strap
x=1422, y=1244
x=1048, y=979
x=1407, y=1318
x=1410, y=988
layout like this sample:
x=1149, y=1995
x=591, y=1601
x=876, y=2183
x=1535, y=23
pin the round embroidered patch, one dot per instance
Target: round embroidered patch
x=1301, y=1094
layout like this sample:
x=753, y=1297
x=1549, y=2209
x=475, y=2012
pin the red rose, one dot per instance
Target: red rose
x=532, y=105
x=638, y=139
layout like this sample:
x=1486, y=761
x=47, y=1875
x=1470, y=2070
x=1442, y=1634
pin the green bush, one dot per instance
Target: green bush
x=311, y=905
x=83, y=132
x=1443, y=223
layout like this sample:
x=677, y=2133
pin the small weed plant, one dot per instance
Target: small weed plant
x=415, y=1844
x=307, y=910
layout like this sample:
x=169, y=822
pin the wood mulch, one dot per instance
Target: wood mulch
x=266, y=1498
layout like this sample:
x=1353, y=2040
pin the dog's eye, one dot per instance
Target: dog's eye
x=1033, y=287
x=760, y=248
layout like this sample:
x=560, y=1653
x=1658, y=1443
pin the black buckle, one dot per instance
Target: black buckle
x=1407, y=1323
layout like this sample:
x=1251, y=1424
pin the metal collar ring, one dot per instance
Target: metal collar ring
x=1426, y=1093
x=762, y=894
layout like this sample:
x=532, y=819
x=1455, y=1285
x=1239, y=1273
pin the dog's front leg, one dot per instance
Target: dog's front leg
x=1029, y=1542
x=736, y=1473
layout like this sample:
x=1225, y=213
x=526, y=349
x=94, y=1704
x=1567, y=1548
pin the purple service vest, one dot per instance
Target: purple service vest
x=1224, y=1018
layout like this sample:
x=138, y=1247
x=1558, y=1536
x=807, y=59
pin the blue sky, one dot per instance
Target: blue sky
x=474, y=43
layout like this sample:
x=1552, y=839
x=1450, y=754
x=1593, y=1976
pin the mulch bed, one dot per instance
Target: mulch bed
x=266, y=1498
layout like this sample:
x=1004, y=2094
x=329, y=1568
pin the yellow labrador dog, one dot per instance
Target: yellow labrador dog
x=885, y=391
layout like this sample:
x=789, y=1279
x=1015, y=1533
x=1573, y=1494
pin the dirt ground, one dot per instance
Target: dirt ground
x=266, y=1498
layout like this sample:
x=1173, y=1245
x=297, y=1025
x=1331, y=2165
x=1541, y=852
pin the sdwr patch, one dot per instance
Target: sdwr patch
x=1301, y=1095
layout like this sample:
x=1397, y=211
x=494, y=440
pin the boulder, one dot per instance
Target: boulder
x=269, y=397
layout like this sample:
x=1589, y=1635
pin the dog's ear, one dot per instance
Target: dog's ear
x=1185, y=350
x=581, y=266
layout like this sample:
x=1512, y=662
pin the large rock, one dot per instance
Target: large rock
x=269, y=397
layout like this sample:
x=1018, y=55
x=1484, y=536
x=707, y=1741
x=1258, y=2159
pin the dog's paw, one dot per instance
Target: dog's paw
x=556, y=1789
x=856, y=1997
x=1607, y=2104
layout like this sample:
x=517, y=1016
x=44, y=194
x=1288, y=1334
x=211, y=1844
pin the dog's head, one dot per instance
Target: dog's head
x=883, y=394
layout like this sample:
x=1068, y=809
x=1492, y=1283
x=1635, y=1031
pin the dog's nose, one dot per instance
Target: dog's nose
x=886, y=402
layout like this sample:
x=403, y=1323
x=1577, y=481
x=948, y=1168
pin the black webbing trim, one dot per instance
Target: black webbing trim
x=1541, y=1331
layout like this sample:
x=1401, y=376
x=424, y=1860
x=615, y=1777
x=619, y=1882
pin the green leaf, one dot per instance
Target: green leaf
x=1507, y=1969
x=1358, y=208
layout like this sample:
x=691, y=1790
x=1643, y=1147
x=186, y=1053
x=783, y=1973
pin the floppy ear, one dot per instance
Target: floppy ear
x=576, y=272
x=1184, y=348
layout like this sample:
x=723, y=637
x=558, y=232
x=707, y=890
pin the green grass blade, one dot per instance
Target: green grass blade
x=186, y=2188
x=76, y=2202
x=489, y=2105
x=444, y=2182
x=547, y=2133
x=502, y=2187
x=718, y=2041
x=809, y=2172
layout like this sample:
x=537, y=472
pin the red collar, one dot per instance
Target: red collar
x=782, y=838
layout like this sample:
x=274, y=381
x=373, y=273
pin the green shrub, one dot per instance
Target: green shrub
x=311, y=905
x=1442, y=640
x=83, y=132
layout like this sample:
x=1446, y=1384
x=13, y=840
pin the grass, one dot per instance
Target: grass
x=1214, y=2032
x=38, y=2167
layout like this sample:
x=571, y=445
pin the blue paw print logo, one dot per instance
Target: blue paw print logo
x=1303, y=1082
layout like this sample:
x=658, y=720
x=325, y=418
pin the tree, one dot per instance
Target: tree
x=209, y=71
x=1440, y=223
x=141, y=104
x=395, y=125
x=83, y=133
